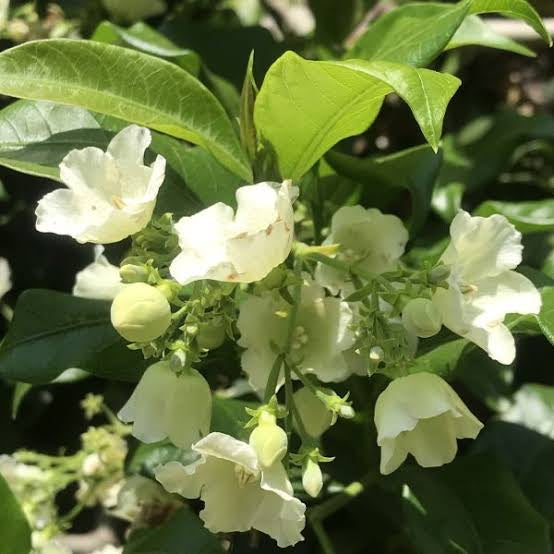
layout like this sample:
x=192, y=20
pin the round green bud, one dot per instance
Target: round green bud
x=140, y=313
x=211, y=335
x=312, y=478
x=130, y=273
x=269, y=441
x=421, y=317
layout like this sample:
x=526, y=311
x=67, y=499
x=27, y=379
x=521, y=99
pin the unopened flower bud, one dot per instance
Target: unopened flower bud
x=211, y=335
x=421, y=317
x=346, y=411
x=313, y=412
x=268, y=440
x=140, y=313
x=312, y=478
x=130, y=273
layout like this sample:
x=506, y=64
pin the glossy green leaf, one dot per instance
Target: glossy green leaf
x=474, y=31
x=417, y=33
x=528, y=217
x=248, y=95
x=135, y=87
x=52, y=331
x=349, y=96
x=14, y=528
x=414, y=34
x=517, y=9
x=414, y=169
x=473, y=506
x=144, y=38
x=183, y=532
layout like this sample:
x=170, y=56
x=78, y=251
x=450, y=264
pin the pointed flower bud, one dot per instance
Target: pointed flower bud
x=131, y=273
x=312, y=478
x=268, y=440
x=211, y=335
x=140, y=313
x=421, y=317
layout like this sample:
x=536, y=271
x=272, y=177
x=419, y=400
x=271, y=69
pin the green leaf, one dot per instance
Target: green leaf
x=349, y=97
x=19, y=392
x=517, y=9
x=546, y=316
x=14, y=529
x=183, y=532
x=474, y=31
x=144, y=38
x=229, y=416
x=52, y=331
x=472, y=506
x=414, y=169
x=125, y=84
x=147, y=457
x=248, y=95
x=333, y=25
x=415, y=33
x=528, y=217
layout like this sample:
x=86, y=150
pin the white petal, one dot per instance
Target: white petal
x=63, y=212
x=99, y=280
x=496, y=340
x=147, y=407
x=5, y=277
x=229, y=506
x=130, y=144
x=186, y=480
x=276, y=480
x=202, y=238
x=506, y=293
x=90, y=170
x=393, y=454
x=189, y=409
x=482, y=246
x=281, y=519
x=228, y=448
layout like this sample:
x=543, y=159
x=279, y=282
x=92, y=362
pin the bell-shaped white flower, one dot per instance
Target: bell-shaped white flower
x=421, y=415
x=421, y=318
x=5, y=277
x=320, y=338
x=239, y=493
x=99, y=280
x=242, y=247
x=167, y=405
x=110, y=195
x=315, y=415
x=482, y=286
x=368, y=239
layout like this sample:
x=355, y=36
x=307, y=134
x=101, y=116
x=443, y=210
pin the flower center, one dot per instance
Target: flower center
x=468, y=290
x=244, y=477
x=299, y=337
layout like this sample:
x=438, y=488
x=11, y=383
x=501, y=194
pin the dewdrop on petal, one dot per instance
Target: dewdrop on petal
x=422, y=318
x=140, y=313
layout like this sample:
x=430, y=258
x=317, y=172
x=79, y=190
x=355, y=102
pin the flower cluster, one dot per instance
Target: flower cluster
x=305, y=315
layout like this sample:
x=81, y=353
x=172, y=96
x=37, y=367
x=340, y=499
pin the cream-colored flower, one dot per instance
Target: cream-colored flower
x=482, y=286
x=165, y=404
x=421, y=415
x=421, y=318
x=5, y=277
x=239, y=493
x=320, y=338
x=313, y=412
x=110, y=195
x=242, y=247
x=368, y=239
x=99, y=280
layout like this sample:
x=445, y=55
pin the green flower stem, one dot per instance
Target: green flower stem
x=293, y=409
x=323, y=538
x=306, y=382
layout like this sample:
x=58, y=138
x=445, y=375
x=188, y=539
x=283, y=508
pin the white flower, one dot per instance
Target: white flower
x=243, y=247
x=320, y=338
x=313, y=412
x=5, y=277
x=421, y=318
x=110, y=195
x=369, y=239
x=238, y=492
x=421, y=415
x=482, y=286
x=165, y=404
x=99, y=280
x=129, y=11
x=109, y=549
x=53, y=547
